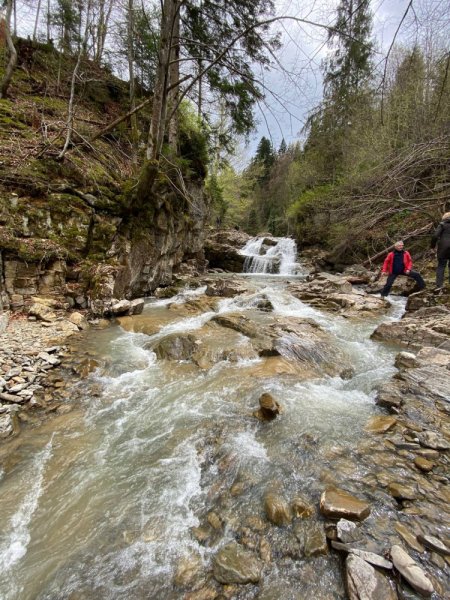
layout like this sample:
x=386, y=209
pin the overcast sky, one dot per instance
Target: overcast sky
x=289, y=99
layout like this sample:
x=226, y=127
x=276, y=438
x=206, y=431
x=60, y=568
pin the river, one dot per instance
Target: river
x=101, y=503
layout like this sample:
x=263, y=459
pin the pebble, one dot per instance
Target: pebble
x=409, y=537
x=433, y=543
x=423, y=464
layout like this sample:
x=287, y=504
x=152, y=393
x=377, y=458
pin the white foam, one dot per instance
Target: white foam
x=14, y=546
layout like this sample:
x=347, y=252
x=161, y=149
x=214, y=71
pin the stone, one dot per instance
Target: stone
x=430, y=439
x=234, y=564
x=364, y=582
x=402, y=492
x=9, y=425
x=380, y=424
x=51, y=360
x=136, y=306
x=42, y=311
x=86, y=366
x=188, y=570
x=277, y=509
x=336, y=503
x=10, y=398
x=270, y=408
x=423, y=464
x=433, y=543
x=302, y=507
x=214, y=521
x=411, y=571
x=4, y=320
x=406, y=360
x=409, y=537
x=348, y=532
x=315, y=540
x=374, y=559
x=79, y=320
x=121, y=308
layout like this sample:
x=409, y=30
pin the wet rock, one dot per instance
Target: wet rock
x=423, y=464
x=196, y=306
x=277, y=509
x=222, y=250
x=79, y=320
x=270, y=408
x=430, y=439
x=206, y=593
x=136, y=306
x=86, y=366
x=9, y=425
x=374, y=559
x=437, y=561
x=224, y=288
x=365, y=583
x=201, y=534
x=402, y=492
x=337, y=503
x=176, y=347
x=315, y=541
x=409, y=537
x=348, y=532
x=214, y=521
x=234, y=564
x=265, y=551
x=428, y=453
x=433, y=543
x=302, y=507
x=188, y=570
x=380, y=424
x=415, y=331
x=411, y=571
x=120, y=308
x=264, y=304
x=406, y=360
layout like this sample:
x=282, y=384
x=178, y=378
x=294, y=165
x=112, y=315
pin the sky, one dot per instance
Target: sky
x=289, y=99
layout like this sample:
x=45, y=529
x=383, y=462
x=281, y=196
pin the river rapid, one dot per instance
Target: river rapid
x=107, y=501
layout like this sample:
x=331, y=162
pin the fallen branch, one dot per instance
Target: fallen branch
x=383, y=253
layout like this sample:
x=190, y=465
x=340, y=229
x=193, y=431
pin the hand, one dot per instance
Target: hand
x=408, y=272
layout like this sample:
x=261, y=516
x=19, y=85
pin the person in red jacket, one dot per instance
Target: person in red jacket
x=398, y=263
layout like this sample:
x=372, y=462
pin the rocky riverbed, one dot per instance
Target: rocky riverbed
x=247, y=439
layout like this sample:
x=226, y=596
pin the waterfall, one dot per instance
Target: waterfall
x=270, y=256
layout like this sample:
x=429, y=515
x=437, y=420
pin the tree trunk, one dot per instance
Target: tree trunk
x=12, y=53
x=36, y=23
x=157, y=125
x=81, y=53
x=173, y=82
x=134, y=130
x=48, y=20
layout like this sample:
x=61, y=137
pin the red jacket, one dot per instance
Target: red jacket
x=389, y=262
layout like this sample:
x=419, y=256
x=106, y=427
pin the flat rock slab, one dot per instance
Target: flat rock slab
x=402, y=492
x=430, y=439
x=365, y=583
x=372, y=558
x=409, y=537
x=433, y=543
x=411, y=571
x=337, y=504
x=234, y=564
x=380, y=424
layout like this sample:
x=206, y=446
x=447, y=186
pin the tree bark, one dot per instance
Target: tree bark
x=12, y=53
x=81, y=53
x=130, y=49
x=36, y=23
x=174, y=81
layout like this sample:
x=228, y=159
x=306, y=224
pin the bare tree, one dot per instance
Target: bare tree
x=81, y=53
x=12, y=52
x=130, y=52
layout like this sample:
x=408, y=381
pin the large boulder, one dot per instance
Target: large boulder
x=222, y=250
x=417, y=330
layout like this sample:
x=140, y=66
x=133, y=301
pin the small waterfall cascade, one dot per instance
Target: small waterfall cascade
x=270, y=256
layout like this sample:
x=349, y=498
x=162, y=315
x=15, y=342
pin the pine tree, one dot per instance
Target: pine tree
x=283, y=147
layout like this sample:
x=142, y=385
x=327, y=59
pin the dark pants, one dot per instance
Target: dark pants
x=391, y=278
x=442, y=263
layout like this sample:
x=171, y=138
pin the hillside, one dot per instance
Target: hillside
x=71, y=227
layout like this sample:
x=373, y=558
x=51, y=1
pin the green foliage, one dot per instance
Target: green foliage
x=194, y=142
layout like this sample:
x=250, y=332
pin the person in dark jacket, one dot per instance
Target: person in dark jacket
x=442, y=237
x=399, y=262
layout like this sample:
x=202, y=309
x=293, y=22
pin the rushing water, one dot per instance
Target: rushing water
x=277, y=258
x=100, y=503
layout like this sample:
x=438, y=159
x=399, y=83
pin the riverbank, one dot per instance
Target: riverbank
x=165, y=475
